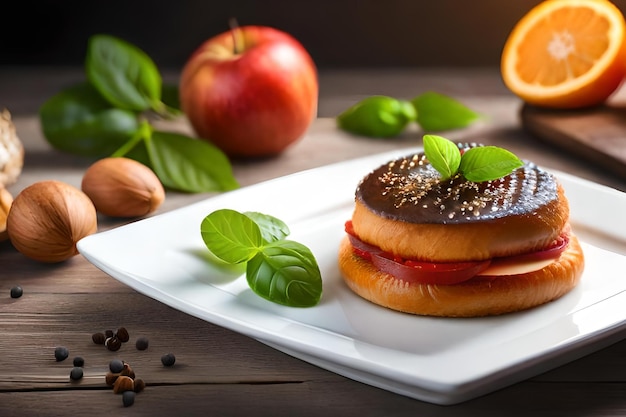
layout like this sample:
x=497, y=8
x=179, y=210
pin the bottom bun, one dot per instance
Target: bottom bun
x=485, y=296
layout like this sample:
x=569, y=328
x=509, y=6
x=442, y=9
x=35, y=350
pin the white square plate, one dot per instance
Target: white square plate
x=439, y=360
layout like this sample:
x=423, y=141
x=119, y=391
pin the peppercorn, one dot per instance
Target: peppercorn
x=109, y=333
x=142, y=343
x=76, y=373
x=79, y=361
x=127, y=371
x=110, y=378
x=116, y=366
x=139, y=385
x=123, y=384
x=99, y=338
x=168, y=359
x=113, y=343
x=128, y=398
x=61, y=353
x=16, y=292
x=122, y=334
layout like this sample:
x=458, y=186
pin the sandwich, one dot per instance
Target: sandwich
x=432, y=234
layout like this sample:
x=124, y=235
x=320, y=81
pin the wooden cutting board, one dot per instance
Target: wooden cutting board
x=597, y=135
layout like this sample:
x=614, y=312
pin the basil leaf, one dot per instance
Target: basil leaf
x=231, y=236
x=189, y=164
x=171, y=98
x=272, y=229
x=377, y=116
x=123, y=74
x=79, y=121
x=139, y=153
x=285, y=272
x=486, y=163
x=443, y=155
x=439, y=112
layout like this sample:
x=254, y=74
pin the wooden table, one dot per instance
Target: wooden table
x=219, y=372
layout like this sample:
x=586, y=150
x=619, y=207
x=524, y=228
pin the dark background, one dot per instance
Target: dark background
x=338, y=34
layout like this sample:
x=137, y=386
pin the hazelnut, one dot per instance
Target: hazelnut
x=47, y=218
x=122, y=384
x=123, y=187
x=11, y=151
x=5, y=204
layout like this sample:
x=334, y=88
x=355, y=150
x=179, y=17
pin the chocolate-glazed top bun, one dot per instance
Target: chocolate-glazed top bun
x=409, y=189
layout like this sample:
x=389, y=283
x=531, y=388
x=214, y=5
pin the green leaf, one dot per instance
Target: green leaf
x=171, y=98
x=377, y=116
x=443, y=155
x=486, y=163
x=272, y=229
x=187, y=164
x=285, y=272
x=436, y=112
x=123, y=74
x=79, y=121
x=231, y=236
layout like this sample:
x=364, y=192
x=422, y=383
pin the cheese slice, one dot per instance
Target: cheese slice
x=516, y=267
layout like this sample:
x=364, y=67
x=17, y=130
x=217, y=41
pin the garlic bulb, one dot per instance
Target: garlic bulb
x=47, y=218
x=11, y=150
x=6, y=199
x=122, y=187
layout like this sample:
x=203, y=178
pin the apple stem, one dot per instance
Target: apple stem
x=237, y=38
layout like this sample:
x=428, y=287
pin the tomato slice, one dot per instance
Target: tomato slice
x=443, y=273
x=447, y=273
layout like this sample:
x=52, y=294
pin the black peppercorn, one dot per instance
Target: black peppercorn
x=76, y=373
x=16, y=292
x=109, y=333
x=116, y=366
x=61, y=353
x=79, y=361
x=142, y=343
x=168, y=359
x=128, y=398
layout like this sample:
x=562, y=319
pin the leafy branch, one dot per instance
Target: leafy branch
x=109, y=115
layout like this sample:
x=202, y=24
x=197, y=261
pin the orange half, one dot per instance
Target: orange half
x=566, y=53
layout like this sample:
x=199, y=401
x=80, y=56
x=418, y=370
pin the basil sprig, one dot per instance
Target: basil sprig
x=279, y=270
x=377, y=116
x=109, y=114
x=384, y=117
x=478, y=164
x=437, y=112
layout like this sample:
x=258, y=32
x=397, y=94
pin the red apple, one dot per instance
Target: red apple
x=251, y=91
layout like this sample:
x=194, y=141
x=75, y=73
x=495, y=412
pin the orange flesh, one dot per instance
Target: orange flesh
x=562, y=47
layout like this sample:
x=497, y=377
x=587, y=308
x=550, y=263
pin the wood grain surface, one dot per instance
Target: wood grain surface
x=597, y=135
x=219, y=372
